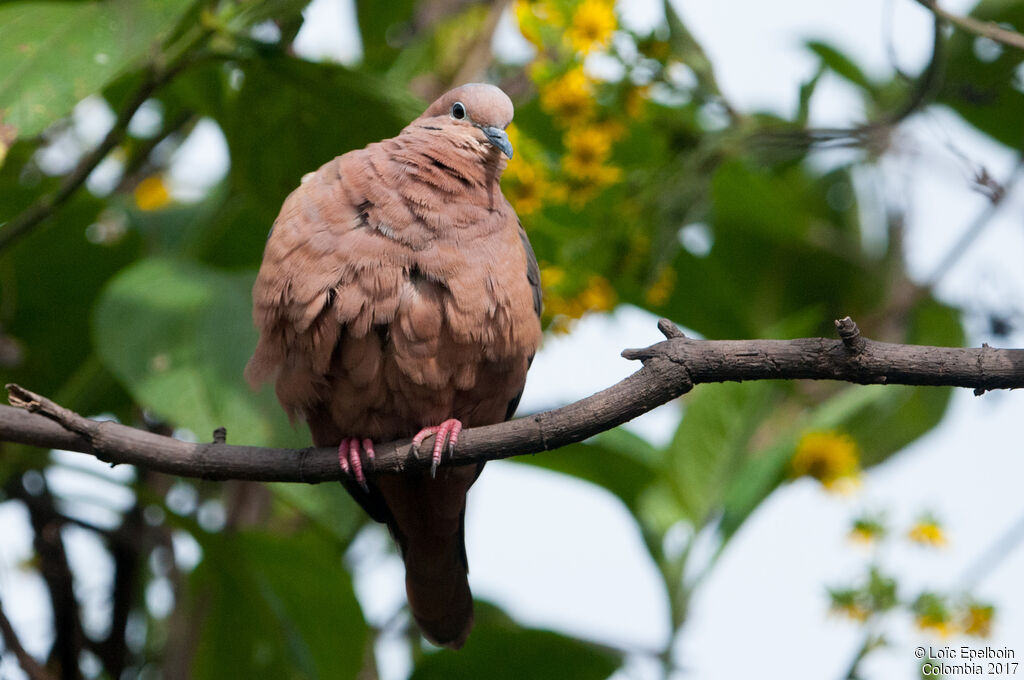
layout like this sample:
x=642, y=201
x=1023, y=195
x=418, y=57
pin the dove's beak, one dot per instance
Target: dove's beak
x=499, y=139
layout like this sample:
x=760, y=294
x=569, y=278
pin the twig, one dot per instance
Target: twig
x=33, y=669
x=155, y=78
x=863, y=135
x=671, y=368
x=986, y=29
x=976, y=228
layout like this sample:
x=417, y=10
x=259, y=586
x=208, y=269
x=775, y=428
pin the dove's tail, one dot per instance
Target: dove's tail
x=427, y=519
x=437, y=586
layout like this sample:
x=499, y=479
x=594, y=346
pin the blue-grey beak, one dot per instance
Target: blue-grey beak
x=499, y=139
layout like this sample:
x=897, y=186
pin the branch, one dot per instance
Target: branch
x=985, y=29
x=872, y=131
x=33, y=669
x=156, y=76
x=670, y=368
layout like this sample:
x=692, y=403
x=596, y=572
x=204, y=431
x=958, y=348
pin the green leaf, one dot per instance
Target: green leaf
x=327, y=505
x=840, y=64
x=49, y=280
x=308, y=114
x=275, y=607
x=711, y=444
x=984, y=81
x=767, y=468
x=57, y=53
x=498, y=649
x=382, y=25
x=178, y=336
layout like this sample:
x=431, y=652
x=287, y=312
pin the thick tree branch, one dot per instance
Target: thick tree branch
x=671, y=368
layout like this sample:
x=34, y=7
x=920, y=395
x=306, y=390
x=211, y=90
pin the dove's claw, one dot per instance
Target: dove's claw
x=350, y=460
x=448, y=431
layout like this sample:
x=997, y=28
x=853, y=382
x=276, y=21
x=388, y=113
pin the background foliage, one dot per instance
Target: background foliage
x=639, y=184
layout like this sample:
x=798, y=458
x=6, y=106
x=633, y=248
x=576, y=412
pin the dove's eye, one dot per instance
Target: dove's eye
x=458, y=111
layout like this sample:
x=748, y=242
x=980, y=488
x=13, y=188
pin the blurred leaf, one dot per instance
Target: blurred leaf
x=57, y=53
x=328, y=505
x=907, y=412
x=840, y=64
x=275, y=607
x=710, y=447
x=381, y=26
x=178, y=336
x=308, y=114
x=498, y=649
x=48, y=282
x=767, y=468
x=616, y=460
x=984, y=81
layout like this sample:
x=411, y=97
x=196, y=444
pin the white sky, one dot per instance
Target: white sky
x=560, y=553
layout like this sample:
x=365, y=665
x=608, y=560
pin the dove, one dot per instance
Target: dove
x=399, y=297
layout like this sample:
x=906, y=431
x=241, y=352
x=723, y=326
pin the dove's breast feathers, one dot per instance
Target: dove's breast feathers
x=394, y=289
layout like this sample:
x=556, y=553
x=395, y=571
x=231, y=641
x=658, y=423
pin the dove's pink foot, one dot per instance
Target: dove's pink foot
x=350, y=460
x=447, y=431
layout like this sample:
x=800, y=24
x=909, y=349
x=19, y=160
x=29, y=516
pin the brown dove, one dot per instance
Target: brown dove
x=399, y=297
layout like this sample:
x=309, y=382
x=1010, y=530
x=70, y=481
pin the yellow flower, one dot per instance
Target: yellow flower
x=152, y=194
x=977, y=619
x=932, y=614
x=852, y=610
x=661, y=290
x=569, y=98
x=525, y=182
x=830, y=457
x=551, y=276
x=592, y=25
x=942, y=627
x=866, y=530
x=524, y=185
x=598, y=295
x=927, y=531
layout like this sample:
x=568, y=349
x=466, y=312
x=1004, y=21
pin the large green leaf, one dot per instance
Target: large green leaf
x=178, y=336
x=711, y=445
x=498, y=649
x=49, y=280
x=275, y=607
x=56, y=53
x=983, y=80
x=307, y=114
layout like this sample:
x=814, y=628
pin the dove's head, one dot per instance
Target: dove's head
x=476, y=109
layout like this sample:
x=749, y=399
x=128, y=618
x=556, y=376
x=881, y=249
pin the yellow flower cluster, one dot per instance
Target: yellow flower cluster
x=525, y=181
x=933, y=615
x=976, y=619
x=569, y=98
x=597, y=296
x=927, y=531
x=661, y=290
x=152, y=194
x=830, y=457
x=592, y=26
